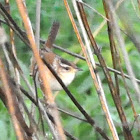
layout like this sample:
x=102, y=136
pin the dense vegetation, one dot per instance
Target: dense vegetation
x=82, y=87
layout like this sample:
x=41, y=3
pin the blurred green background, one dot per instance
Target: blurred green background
x=82, y=87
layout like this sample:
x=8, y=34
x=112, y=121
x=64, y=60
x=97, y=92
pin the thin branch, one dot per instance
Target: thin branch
x=121, y=43
x=16, y=64
x=10, y=22
x=10, y=103
x=136, y=119
x=138, y=4
x=72, y=115
x=29, y=131
x=4, y=22
x=28, y=28
x=35, y=85
x=46, y=87
x=33, y=125
x=69, y=135
x=92, y=67
x=85, y=4
x=133, y=5
x=32, y=99
x=115, y=96
x=89, y=119
x=13, y=51
x=37, y=33
x=32, y=92
x=7, y=58
x=117, y=61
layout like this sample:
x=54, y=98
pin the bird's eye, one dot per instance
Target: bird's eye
x=67, y=68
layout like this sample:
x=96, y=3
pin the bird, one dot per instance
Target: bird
x=65, y=69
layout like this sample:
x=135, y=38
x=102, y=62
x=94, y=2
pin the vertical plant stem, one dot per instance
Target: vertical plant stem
x=43, y=73
x=116, y=98
x=13, y=50
x=114, y=52
x=117, y=62
x=91, y=66
x=138, y=4
x=96, y=77
x=37, y=33
x=37, y=39
x=89, y=119
x=121, y=43
x=10, y=102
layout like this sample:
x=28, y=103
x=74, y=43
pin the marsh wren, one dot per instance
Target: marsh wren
x=66, y=70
